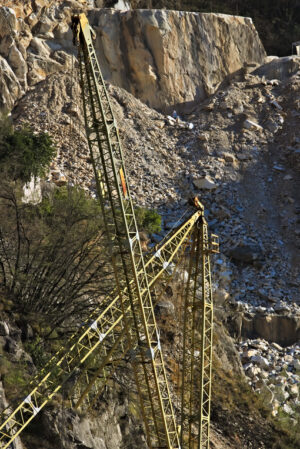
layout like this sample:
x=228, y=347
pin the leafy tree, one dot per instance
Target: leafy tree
x=23, y=153
x=148, y=220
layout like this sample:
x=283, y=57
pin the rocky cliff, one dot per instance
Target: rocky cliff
x=165, y=58
x=171, y=58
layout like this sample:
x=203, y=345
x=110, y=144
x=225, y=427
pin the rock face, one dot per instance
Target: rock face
x=111, y=427
x=282, y=329
x=167, y=58
x=29, y=50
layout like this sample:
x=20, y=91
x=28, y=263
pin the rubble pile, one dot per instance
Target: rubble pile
x=245, y=177
x=273, y=371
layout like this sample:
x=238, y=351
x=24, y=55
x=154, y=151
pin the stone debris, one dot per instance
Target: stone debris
x=276, y=105
x=273, y=371
x=249, y=124
x=177, y=121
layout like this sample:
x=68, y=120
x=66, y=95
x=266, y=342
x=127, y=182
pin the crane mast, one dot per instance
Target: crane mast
x=124, y=323
x=196, y=366
x=126, y=253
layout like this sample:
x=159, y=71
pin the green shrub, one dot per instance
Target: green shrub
x=287, y=429
x=23, y=153
x=148, y=220
x=53, y=255
x=72, y=204
x=14, y=377
x=36, y=348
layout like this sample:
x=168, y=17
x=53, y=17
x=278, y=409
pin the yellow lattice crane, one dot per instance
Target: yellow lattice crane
x=126, y=320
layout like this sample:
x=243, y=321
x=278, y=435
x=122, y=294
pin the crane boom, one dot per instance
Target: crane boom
x=126, y=253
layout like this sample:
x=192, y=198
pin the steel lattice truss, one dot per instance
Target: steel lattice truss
x=125, y=320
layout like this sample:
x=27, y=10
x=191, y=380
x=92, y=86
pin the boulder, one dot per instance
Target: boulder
x=6, y=43
x=288, y=358
x=281, y=393
x=165, y=309
x=296, y=364
x=27, y=331
x=205, y=183
x=282, y=307
x=246, y=355
x=221, y=296
x=253, y=371
x=10, y=88
x=58, y=178
x=4, y=329
x=261, y=361
x=17, y=62
x=246, y=253
x=44, y=26
x=276, y=346
x=39, y=47
x=203, y=137
x=288, y=409
x=276, y=105
x=64, y=36
x=8, y=22
x=250, y=124
x=294, y=390
x=229, y=158
x=11, y=346
x=41, y=67
x=279, y=68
